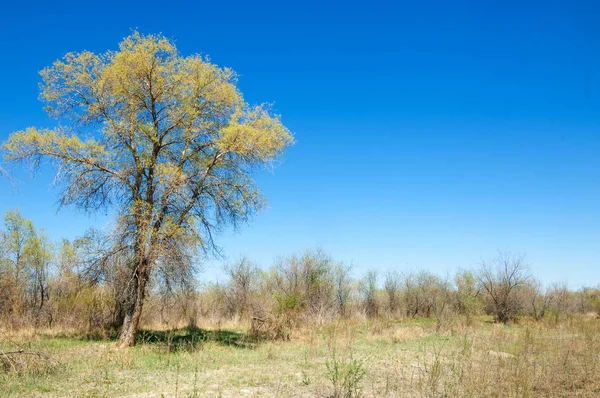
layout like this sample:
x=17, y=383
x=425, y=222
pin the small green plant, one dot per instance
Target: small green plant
x=466, y=346
x=305, y=376
x=345, y=375
x=432, y=371
x=195, y=392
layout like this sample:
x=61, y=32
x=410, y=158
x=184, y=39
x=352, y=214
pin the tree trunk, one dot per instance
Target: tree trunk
x=133, y=305
x=503, y=315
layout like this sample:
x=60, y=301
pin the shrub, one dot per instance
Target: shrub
x=345, y=374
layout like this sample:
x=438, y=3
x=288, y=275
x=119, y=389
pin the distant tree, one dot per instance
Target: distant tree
x=539, y=301
x=39, y=253
x=342, y=285
x=25, y=258
x=305, y=283
x=593, y=298
x=410, y=294
x=423, y=293
x=392, y=286
x=562, y=300
x=467, y=295
x=166, y=140
x=368, y=290
x=429, y=289
x=174, y=275
x=502, y=277
x=13, y=267
x=442, y=300
x=238, y=293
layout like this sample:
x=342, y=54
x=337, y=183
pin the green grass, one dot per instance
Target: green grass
x=399, y=358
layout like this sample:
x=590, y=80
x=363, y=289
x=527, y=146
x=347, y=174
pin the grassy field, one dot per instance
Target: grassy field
x=373, y=359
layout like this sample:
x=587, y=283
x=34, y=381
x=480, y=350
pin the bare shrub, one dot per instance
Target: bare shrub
x=502, y=277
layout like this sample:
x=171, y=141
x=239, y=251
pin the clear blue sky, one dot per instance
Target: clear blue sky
x=427, y=135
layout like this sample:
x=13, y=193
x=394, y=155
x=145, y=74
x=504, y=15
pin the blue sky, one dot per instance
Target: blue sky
x=428, y=135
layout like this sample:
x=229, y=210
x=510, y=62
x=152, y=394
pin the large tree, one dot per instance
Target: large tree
x=165, y=139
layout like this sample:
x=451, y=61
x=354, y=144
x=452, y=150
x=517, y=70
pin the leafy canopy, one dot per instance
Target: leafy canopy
x=166, y=138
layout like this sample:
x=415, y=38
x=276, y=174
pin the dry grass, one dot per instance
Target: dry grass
x=399, y=358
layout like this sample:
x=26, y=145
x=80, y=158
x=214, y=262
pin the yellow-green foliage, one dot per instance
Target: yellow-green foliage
x=153, y=130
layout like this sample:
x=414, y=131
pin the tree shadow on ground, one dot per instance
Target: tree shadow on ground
x=193, y=338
